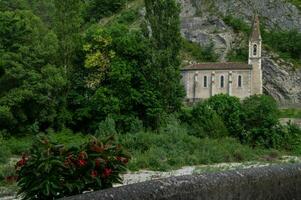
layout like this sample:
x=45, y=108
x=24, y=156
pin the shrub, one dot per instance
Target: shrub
x=175, y=148
x=290, y=138
x=4, y=152
x=202, y=54
x=260, y=111
x=52, y=171
x=67, y=138
x=106, y=127
x=230, y=111
x=128, y=17
x=206, y=122
x=237, y=24
x=18, y=146
x=97, y=9
x=260, y=119
x=238, y=55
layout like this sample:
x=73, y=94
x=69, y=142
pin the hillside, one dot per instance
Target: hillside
x=218, y=31
x=225, y=23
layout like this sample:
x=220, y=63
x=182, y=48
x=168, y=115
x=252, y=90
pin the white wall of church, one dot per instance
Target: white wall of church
x=196, y=88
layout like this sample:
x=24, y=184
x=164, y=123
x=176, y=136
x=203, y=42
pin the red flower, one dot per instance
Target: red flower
x=107, y=172
x=22, y=162
x=97, y=148
x=98, y=161
x=82, y=163
x=122, y=159
x=94, y=173
x=11, y=179
x=82, y=155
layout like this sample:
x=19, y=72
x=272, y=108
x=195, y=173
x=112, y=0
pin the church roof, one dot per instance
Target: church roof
x=255, y=35
x=218, y=66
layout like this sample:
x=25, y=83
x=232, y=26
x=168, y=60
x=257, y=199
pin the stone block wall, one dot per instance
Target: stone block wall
x=266, y=183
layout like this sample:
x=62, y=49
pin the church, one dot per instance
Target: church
x=203, y=80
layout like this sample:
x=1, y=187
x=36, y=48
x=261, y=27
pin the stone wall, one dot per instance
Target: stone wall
x=267, y=183
x=193, y=81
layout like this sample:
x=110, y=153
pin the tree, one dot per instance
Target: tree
x=68, y=20
x=31, y=85
x=206, y=122
x=162, y=74
x=260, y=118
x=230, y=111
x=12, y=5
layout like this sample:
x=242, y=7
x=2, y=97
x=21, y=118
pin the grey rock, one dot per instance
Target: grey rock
x=281, y=81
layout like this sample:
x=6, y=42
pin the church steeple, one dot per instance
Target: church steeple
x=255, y=35
x=255, y=44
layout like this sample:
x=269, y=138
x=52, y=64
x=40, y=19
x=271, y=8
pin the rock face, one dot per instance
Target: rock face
x=281, y=81
x=202, y=22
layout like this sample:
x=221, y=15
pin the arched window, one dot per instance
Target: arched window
x=254, y=49
x=222, y=81
x=239, y=81
x=205, y=81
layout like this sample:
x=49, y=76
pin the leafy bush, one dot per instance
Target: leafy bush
x=96, y=9
x=201, y=54
x=19, y=145
x=237, y=24
x=286, y=43
x=230, y=111
x=52, y=171
x=260, y=117
x=67, y=138
x=290, y=138
x=206, y=122
x=4, y=151
x=7, y=174
x=238, y=55
x=173, y=147
x=290, y=113
x=106, y=127
x=128, y=17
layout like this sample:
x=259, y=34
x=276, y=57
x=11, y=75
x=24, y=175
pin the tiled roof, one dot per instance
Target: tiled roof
x=255, y=35
x=217, y=66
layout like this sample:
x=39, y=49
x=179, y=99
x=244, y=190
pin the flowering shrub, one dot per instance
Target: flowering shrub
x=52, y=171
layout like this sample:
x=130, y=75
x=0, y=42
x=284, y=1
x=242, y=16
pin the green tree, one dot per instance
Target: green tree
x=68, y=21
x=162, y=74
x=12, y=5
x=230, y=111
x=30, y=86
x=260, y=118
x=206, y=122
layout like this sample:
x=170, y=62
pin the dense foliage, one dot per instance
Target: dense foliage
x=55, y=74
x=52, y=171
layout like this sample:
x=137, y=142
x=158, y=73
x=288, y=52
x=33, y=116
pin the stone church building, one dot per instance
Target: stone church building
x=204, y=80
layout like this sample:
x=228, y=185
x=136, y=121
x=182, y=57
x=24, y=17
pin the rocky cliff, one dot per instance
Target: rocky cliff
x=202, y=22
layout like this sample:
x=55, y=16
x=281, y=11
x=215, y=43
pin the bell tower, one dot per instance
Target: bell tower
x=255, y=45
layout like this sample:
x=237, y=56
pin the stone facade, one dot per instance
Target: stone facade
x=204, y=80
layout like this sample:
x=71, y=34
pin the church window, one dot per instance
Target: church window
x=239, y=81
x=254, y=49
x=205, y=81
x=222, y=81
